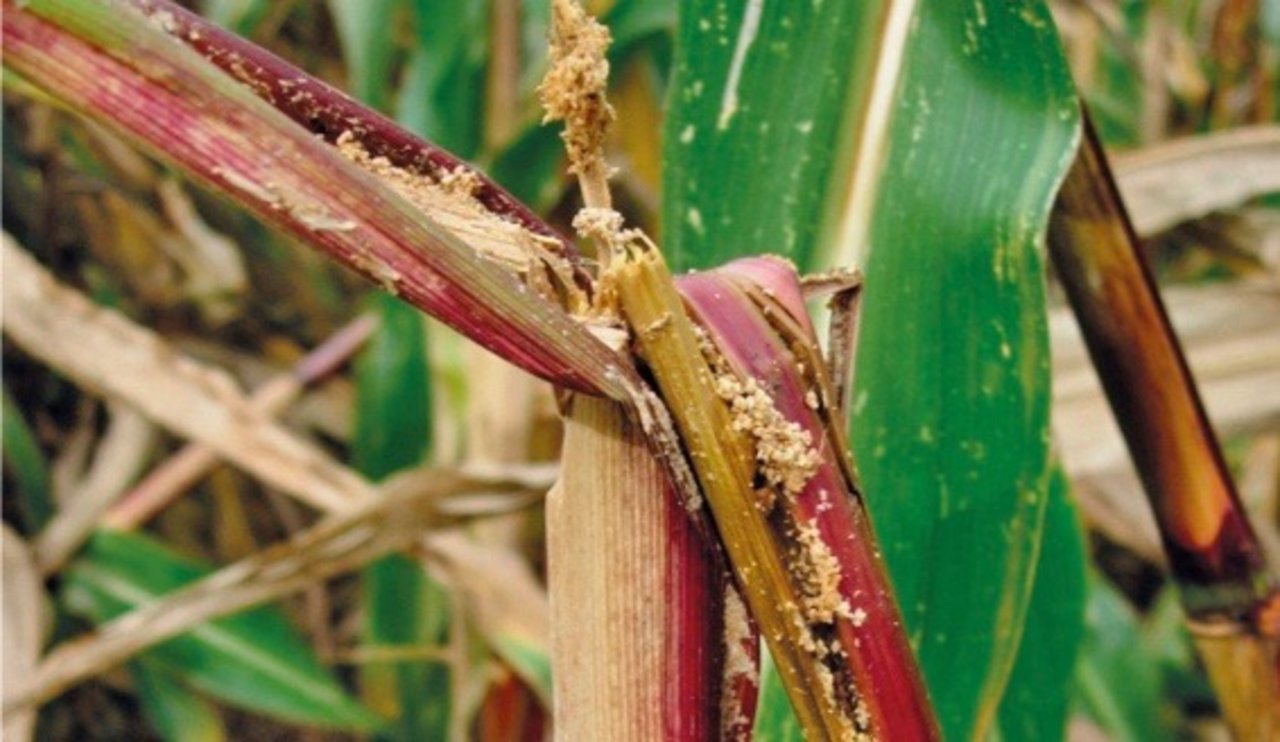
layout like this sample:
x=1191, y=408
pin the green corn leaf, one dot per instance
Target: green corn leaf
x=25, y=462
x=635, y=25
x=403, y=608
x=255, y=660
x=530, y=660
x=1117, y=682
x=757, y=104
x=177, y=712
x=1117, y=91
x=393, y=402
x=1035, y=705
x=241, y=16
x=1165, y=634
x=978, y=135
x=442, y=98
x=531, y=166
x=775, y=721
x=368, y=44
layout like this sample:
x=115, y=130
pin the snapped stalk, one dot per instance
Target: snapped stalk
x=104, y=60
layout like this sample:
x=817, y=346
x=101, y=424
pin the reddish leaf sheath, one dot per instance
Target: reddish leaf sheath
x=325, y=110
x=103, y=60
x=753, y=312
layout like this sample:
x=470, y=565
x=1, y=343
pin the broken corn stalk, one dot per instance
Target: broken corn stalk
x=105, y=60
x=327, y=111
x=749, y=398
x=1232, y=602
x=640, y=637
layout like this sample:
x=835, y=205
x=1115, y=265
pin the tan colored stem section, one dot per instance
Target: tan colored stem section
x=1242, y=669
x=607, y=552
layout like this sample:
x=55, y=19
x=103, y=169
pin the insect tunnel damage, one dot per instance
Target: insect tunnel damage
x=734, y=358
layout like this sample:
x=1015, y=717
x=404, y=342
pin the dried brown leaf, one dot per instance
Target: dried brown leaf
x=105, y=352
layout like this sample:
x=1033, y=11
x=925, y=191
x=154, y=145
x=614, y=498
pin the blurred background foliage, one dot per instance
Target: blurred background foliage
x=392, y=652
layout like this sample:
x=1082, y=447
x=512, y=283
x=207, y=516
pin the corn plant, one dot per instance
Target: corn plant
x=770, y=518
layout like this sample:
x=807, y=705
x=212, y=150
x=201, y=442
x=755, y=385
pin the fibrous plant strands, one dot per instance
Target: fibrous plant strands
x=450, y=202
x=103, y=61
x=765, y=350
x=329, y=112
x=1213, y=552
x=574, y=91
x=635, y=591
x=724, y=460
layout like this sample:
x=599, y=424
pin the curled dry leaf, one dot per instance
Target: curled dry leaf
x=110, y=355
x=1188, y=178
x=119, y=458
x=23, y=625
x=213, y=268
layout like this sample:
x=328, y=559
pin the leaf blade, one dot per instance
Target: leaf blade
x=177, y=712
x=255, y=660
x=956, y=463
x=1036, y=704
x=393, y=432
x=757, y=102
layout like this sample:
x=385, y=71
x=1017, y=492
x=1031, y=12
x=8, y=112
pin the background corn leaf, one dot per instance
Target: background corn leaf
x=24, y=459
x=774, y=720
x=1117, y=682
x=403, y=608
x=530, y=167
x=255, y=660
x=756, y=109
x=639, y=25
x=241, y=16
x=177, y=712
x=442, y=96
x=530, y=661
x=363, y=29
x=393, y=403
